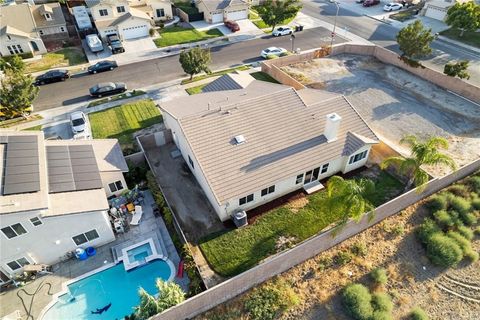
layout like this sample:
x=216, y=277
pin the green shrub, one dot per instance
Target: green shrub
x=342, y=258
x=359, y=249
x=464, y=244
x=381, y=315
x=427, y=229
x=477, y=231
x=443, y=251
x=443, y=219
x=357, y=301
x=460, y=205
x=468, y=218
x=459, y=190
x=382, y=302
x=271, y=56
x=263, y=303
x=418, y=313
x=472, y=255
x=325, y=263
x=437, y=202
x=379, y=275
x=465, y=232
x=474, y=183
x=476, y=203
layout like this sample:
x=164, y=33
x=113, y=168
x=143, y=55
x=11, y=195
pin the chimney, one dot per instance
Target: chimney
x=332, y=125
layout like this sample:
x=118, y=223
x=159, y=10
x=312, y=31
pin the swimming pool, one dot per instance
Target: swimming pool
x=140, y=253
x=113, y=285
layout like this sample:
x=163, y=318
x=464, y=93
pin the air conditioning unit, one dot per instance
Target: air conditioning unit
x=240, y=219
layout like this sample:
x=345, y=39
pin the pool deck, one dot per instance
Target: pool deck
x=47, y=286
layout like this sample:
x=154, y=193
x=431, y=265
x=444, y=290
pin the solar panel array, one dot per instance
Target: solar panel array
x=22, y=170
x=72, y=168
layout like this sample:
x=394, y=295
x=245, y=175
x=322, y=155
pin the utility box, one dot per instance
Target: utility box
x=240, y=219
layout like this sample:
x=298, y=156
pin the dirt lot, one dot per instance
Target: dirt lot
x=413, y=281
x=395, y=102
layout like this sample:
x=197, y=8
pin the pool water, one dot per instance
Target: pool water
x=139, y=253
x=113, y=285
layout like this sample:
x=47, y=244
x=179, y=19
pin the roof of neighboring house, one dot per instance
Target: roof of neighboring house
x=213, y=5
x=134, y=13
x=17, y=20
x=284, y=134
x=93, y=3
x=55, y=11
x=231, y=81
x=57, y=177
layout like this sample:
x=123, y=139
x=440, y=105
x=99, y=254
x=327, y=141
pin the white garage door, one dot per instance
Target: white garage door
x=237, y=15
x=436, y=13
x=135, y=32
x=217, y=17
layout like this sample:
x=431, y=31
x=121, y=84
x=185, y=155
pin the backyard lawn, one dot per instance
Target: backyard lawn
x=120, y=122
x=61, y=58
x=235, y=251
x=469, y=37
x=178, y=35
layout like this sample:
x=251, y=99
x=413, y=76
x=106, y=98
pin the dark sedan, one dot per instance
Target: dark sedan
x=52, y=76
x=102, y=66
x=107, y=88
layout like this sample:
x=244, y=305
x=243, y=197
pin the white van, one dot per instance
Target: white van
x=94, y=43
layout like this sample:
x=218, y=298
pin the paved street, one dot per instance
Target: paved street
x=137, y=75
x=384, y=35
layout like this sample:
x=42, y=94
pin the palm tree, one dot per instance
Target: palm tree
x=422, y=153
x=350, y=197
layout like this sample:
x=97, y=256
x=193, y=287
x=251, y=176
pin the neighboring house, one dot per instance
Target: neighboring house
x=230, y=81
x=54, y=197
x=158, y=10
x=117, y=17
x=18, y=32
x=249, y=146
x=49, y=20
x=437, y=9
x=217, y=11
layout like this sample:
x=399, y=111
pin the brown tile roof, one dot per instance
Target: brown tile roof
x=54, y=9
x=17, y=20
x=284, y=135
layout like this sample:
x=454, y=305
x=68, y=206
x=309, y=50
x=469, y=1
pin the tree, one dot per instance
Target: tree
x=195, y=61
x=457, y=69
x=414, y=40
x=148, y=305
x=17, y=93
x=422, y=153
x=14, y=63
x=464, y=16
x=169, y=294
x=349, y=197
x=275, y=12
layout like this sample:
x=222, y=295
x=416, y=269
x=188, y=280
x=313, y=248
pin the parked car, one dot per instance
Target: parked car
x=392, y=6
x=101, y=66
x=359, y=1
x=115, y=43
x=282, y=31
x=78, y=122
x=272, y=51
x=232, y=25
x=107, y=88
x=94, y=43
x=52, y=76
x=369, y=3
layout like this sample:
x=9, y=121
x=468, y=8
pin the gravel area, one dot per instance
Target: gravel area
x=395, y=102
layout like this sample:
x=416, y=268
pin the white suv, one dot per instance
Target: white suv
x=282, y=31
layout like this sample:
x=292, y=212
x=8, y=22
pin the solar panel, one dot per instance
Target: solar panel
x=22, y=164
x=72, y=168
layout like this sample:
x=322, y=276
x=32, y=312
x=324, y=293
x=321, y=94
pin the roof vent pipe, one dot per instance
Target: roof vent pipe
x=332, y=126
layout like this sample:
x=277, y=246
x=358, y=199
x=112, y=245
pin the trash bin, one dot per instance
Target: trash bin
x=90, y=251
x=81, y=254
x=300, y=28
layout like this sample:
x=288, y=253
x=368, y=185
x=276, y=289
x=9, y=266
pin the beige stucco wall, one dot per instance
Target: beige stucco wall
x=110, y=177
x=53, y=30
x=23, y=42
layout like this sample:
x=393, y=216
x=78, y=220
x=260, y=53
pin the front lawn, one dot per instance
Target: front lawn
x=214, y=74
x=195, y=90
x=235, y=251
x=263, y=77
x=61, y=58
x=120, y=122
x=469, y=37
x=178, y=35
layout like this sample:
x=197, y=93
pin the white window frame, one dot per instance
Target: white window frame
x=36, y=219
x=121, y=9
x=162, y=10
x=116, y=187
x=85, y=235
x=16, y=234
x=16, y=261
x=103, y=12
x=361, y=155
x=267, y=191
x=246, y=199
x=324, y=168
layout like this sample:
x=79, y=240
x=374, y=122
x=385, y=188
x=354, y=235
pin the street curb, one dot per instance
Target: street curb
x=458, y=43
x=380, y=20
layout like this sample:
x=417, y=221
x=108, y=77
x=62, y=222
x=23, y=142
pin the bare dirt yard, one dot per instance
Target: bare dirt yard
x=395, y=102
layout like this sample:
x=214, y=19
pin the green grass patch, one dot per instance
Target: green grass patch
x=469, y=37
x=117, y=97
x=253, y=15
x=19, y=120
x=214, y=74
x=195, y=90
x=230, y=253
x=178, y=35
x=61, y=58
x=403, y=15
x=121, y=121
x=34, y=128
x=263, y=77
x=260, y=24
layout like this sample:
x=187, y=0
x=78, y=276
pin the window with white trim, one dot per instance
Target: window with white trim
x=246, y=199
x=299, y=179
x=121, y=9
x=160, y=13
x=324, y=168
x=85, y=237
x=268, y=190
x=14, y=230
x=357, y=157
x=15, y=49
x=36, y=221
x=17, y=264
x=103, y=12
x=115, y=186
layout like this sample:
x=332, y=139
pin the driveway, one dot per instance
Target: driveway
x=246, y=27
x=204, y=26
x=133, y=48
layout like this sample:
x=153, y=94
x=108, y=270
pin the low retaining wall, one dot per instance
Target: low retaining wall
x=308, y=249
x=137, y=158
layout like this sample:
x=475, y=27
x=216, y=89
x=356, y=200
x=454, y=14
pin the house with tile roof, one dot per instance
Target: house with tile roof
x=53, y=197
x=249, y=146
x=218, y=11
